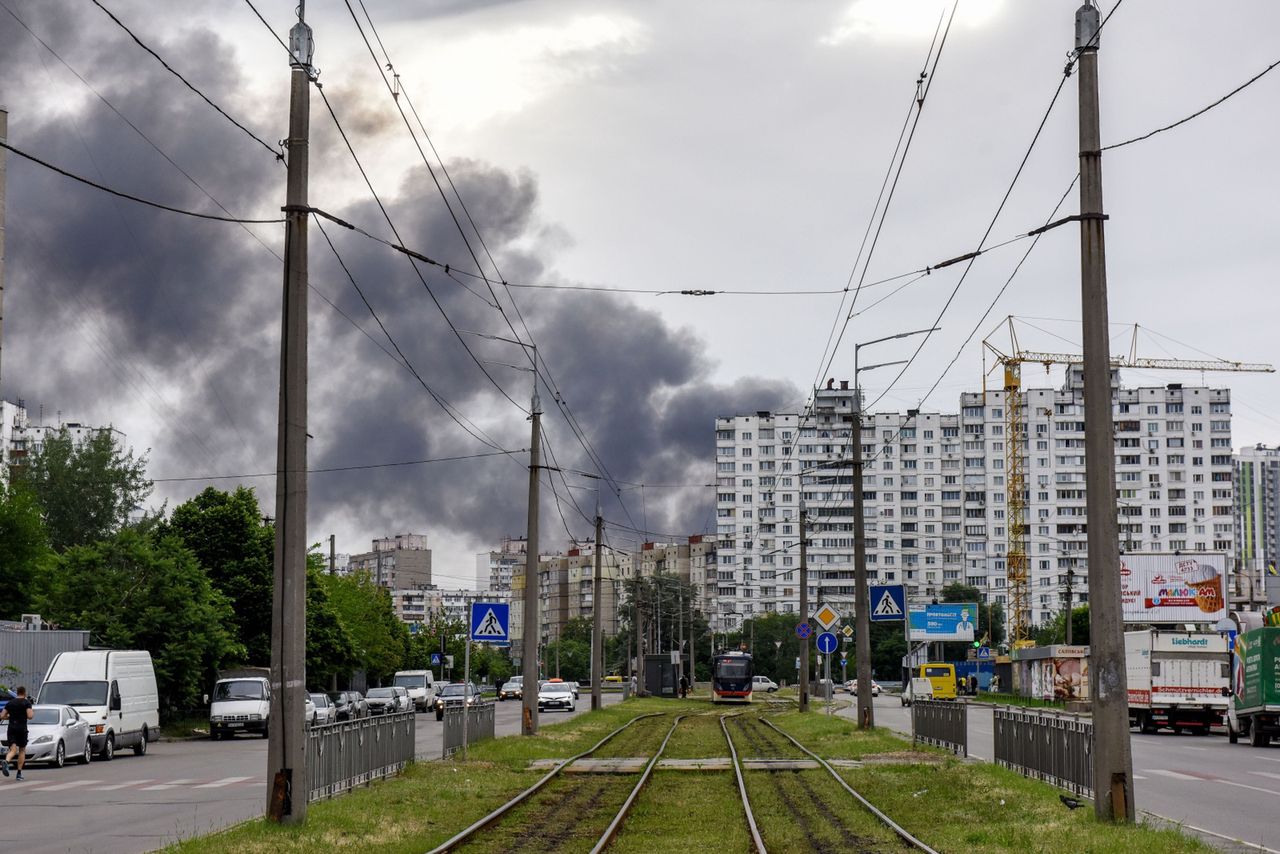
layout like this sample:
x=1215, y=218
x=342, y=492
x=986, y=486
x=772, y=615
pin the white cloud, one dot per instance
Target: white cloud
x=904, y=19
x=504, y=71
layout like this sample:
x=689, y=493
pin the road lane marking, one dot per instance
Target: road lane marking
x=71, y=785
x=1139, y=777
x=1201, y=778
x=225, y=781
x=1273, y=776
x=169, y=785
x=112, y=788
x=1176, y=775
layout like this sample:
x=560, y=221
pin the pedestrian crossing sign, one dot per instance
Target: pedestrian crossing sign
x=888, y=603
x=490, y=622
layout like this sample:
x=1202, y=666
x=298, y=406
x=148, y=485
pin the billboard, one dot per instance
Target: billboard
x=1170, y=588
x=946, y=621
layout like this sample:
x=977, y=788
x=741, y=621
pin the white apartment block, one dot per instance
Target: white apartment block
x=495, y=568
x=20, y=438
x=935, y=498
x=566, y=590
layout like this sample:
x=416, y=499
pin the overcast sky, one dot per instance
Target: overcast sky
x=652, y=145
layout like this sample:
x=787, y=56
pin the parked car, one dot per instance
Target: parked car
x=309, y=711
x=455, y=694
x=577, y=689
x=348, y=705
x=555, y=694
x=763, y=683
x=387, y=700
x=54, y=735
x=359, y=706
x=852, y=687
x=512, y=689
x=241, y=702
x=113, y=690
x=326, y=711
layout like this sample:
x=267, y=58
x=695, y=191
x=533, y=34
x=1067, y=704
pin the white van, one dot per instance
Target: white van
x=114, y=690
x=241, y=702
x=420, y=684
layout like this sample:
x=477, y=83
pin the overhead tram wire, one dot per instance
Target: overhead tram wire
x=199, y=478
x=552, y=386
x=275, y=152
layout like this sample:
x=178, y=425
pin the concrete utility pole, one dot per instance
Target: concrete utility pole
x=333, y=556
x=1071, y=576
x=532, y=619
x=637, y=669
x=597, y=614
x=1112, y=757
x=680, y=634
x=286, y=749
x=861, y=610
x=4, y=137
x=804, y=605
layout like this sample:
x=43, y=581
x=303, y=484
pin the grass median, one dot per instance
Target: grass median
x=952, y=805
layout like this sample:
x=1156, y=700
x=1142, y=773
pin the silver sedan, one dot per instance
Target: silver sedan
x=54, y=735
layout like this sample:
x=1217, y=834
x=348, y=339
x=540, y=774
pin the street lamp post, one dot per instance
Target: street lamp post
x=861, y=607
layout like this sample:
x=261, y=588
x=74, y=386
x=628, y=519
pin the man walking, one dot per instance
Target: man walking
x=18, y=712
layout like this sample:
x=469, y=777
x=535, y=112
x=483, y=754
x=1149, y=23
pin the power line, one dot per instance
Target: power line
x=1197, y=113
x=331, y=469
x=274, y=152
x=130, y=197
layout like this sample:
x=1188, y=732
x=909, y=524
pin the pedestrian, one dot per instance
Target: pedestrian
x=633, y=684
x=18, y=712
x=684, y=686
x=995, y=684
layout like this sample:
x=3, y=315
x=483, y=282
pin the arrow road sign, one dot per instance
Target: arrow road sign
x=888, y=603
x=490, y=622
x=803, y=630
x=827, y=643
x=826, y=617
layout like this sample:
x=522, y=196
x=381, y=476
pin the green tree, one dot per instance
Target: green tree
x=380, y=641
x=573, y=657
x=137, y=591
x=236, y=549
x=1056, y=631
x=23, y=547
x=87, y=491
x=331, y=653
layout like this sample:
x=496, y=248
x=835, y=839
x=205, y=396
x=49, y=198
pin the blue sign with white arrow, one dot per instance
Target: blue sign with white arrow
x=827, y=643
x=491, y=622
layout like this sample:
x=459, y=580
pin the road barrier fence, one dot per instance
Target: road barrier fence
x=941, y=723
x=1050, y=746
x=343, y=755
x=479, y=726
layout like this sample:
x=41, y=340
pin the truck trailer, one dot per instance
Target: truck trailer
x=1177, y=680
x=1255, y=707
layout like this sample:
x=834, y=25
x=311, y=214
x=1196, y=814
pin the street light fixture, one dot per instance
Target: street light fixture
x=861, y=607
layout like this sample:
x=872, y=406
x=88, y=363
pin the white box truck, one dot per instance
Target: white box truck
x=114, y=690
x=241, y=702
x=1177, y=680
x=420, y=684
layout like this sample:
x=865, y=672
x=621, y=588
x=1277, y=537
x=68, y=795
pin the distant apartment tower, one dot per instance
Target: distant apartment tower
x=19, y=438
x=494, y=568
x=402, y=562
x=935, y=496
x=1257, y=523
x=566, y=591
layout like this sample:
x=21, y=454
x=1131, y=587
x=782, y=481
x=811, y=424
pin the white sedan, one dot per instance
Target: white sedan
x=54, y=735
x=852, y=687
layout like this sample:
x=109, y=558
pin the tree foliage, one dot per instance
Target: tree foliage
x=87, y=491
x=138, y=591
x=1056, y=631
x=379, y=640
x=227, y=535
x=23, y=547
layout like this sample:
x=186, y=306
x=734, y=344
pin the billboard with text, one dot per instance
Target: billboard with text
x=945, y=621
x=1172, y=588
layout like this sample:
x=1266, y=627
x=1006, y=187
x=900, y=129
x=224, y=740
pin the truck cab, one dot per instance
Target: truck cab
x=241, y=702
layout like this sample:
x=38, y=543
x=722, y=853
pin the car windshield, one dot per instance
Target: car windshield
x=515, y=681
x=381, y=693
x=45, y=716
x=557, y=688
x=239, y=689
x=453, y=690
x=410, y=681
x=338, y=699
x=937, y=671
x=74, y=693
x=321, y=700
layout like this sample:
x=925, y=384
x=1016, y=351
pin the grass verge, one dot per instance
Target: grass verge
x=187, y=726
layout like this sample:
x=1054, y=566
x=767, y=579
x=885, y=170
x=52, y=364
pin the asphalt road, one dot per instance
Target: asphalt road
x=1231, y=790
x=178, y=790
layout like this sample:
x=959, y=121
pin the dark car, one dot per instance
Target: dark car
x=342, y=704
x=452, y=695
x=350, y=705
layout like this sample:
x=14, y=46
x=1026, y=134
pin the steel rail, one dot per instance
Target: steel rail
x=612, y=829
x=756, y=839
x=466, y=834
x=893, y=825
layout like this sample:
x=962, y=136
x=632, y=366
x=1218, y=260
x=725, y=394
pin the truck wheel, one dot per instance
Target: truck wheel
x=1145, y=724
x=108, y=748
x=1258, y=738
x=140, y=749
x=214, y=734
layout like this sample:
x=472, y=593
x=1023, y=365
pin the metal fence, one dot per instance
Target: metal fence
x=479, y=726
x=343, y=755
x=1053, y=747
x=941, y=723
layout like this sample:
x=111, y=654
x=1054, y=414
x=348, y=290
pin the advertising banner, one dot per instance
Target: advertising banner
x=947, y=621
x=1168, y=588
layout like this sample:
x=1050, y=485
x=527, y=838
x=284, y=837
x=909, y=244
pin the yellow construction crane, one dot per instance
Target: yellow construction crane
x=1015, y=447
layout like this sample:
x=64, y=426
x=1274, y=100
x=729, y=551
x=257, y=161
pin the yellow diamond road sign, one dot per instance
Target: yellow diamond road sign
x=827, y=617
x=848, y=631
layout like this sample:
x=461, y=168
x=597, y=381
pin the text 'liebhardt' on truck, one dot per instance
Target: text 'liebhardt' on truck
x=1255, y=708
x=1177, y=680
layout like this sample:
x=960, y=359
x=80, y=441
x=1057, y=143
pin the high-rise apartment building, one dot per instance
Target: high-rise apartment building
x=936, y=498
x=401, y=562
x=494, y=568
x=1257, y=523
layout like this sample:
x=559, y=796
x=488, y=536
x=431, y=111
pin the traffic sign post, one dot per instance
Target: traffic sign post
x=888, y=603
